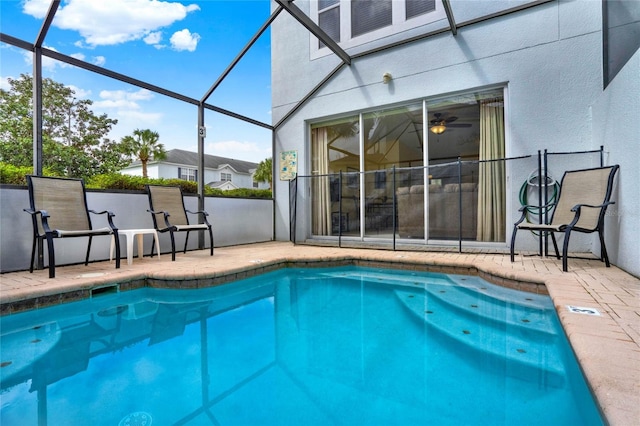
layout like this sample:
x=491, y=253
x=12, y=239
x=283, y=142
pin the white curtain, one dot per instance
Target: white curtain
x=491, y=182
x=321, y=197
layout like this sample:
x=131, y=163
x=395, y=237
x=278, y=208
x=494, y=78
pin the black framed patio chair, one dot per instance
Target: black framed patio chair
x=59, y=210
x=166, y=205
x=581, y=207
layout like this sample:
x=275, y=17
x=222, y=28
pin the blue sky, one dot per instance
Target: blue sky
x=182, y=46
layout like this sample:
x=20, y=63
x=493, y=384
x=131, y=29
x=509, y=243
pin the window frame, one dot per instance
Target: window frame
x=427, y=104
x=399, y=24
x=186, y=173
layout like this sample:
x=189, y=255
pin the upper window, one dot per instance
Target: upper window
x=367, y=15
x=225, y=177
x=329, y=18
x=186, y=173
x=353, y=22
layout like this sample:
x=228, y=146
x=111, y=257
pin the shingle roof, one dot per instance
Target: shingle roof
x=189, y=158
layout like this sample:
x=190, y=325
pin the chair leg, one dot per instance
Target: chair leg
x=211, y=239
x=555, y=244
x=52, y=256
x=116, y=239
x=603, y=249
x=153, y=246
x=186, y=241
x=86, y=260
x=513, y=241
x=33, y=254
x=173, y=246
x=565, y=249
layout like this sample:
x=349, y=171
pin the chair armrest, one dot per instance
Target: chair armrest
x=44, y=219
x=578, y=207
x=166, y=215
x=44, y=215
x=110, y=216
x=530, y=207
x=599, y=206
x=202, y=212
x=197, y=212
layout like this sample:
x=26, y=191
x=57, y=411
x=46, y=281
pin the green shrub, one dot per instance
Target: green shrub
x=14, y=175
x=248, y=193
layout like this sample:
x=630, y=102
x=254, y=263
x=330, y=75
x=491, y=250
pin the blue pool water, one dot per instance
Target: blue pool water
x=334, y=346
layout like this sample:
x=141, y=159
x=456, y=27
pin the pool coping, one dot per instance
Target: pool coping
x=608, y=352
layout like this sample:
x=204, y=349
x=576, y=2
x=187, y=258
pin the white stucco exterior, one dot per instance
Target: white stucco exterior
x=549, y=60
x=219, y=172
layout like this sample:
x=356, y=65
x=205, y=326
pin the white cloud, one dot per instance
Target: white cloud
x=114, y=21
x=36, y=8
x=126, y=107
x=153, y=38
x=47, y=63
x=52, y=64
x=4, y=83
x=143, y=119
x=122, y=99
x=184, y=40
x=247, y=151
x=80, y=93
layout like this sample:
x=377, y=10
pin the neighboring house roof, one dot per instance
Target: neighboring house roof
x=189, y=158
x=221, y=184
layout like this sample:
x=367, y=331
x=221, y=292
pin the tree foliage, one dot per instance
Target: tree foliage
x=144, y=144
x=264, y=172
x=74, y=138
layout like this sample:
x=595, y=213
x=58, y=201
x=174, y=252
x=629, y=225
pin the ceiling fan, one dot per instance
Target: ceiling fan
x=442, y=122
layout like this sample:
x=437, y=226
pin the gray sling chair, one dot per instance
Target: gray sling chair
x=59, y=210
x=582, y=203
x=166, y=206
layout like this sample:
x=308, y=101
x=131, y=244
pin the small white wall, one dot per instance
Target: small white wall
x=235, y=221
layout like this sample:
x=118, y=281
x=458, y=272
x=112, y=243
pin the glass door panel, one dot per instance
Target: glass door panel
x=466, y=188
x=392, y=139
x=335, y=188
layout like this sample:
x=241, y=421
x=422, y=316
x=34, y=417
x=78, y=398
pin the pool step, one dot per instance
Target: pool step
x=528, y=319
x=509, y=345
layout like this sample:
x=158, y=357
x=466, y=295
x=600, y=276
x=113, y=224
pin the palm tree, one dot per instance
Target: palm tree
x=264, y=172
x=144, y=145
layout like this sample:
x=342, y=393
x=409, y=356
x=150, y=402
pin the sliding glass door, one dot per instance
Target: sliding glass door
x=360, y=162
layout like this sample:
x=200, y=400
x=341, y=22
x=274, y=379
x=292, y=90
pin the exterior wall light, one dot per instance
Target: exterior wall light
x=386, y=78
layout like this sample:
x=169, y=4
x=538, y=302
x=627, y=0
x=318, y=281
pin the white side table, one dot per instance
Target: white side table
x=129, y=234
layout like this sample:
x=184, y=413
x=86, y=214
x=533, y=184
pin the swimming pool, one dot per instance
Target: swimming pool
x=345, y=345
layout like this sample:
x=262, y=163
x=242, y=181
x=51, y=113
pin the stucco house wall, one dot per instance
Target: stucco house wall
x=169, y=170
x=548, y=57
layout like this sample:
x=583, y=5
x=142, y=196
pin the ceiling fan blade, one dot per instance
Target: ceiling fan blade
x=459, y=125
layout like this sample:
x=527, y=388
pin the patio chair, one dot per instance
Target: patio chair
x=582, y=203
x=166, y=205
x=59, y=210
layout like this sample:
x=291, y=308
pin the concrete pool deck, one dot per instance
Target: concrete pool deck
x=607, y=345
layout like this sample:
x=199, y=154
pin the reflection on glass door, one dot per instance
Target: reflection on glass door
x=392, y=139
x=466, y=190
x=335, y=187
